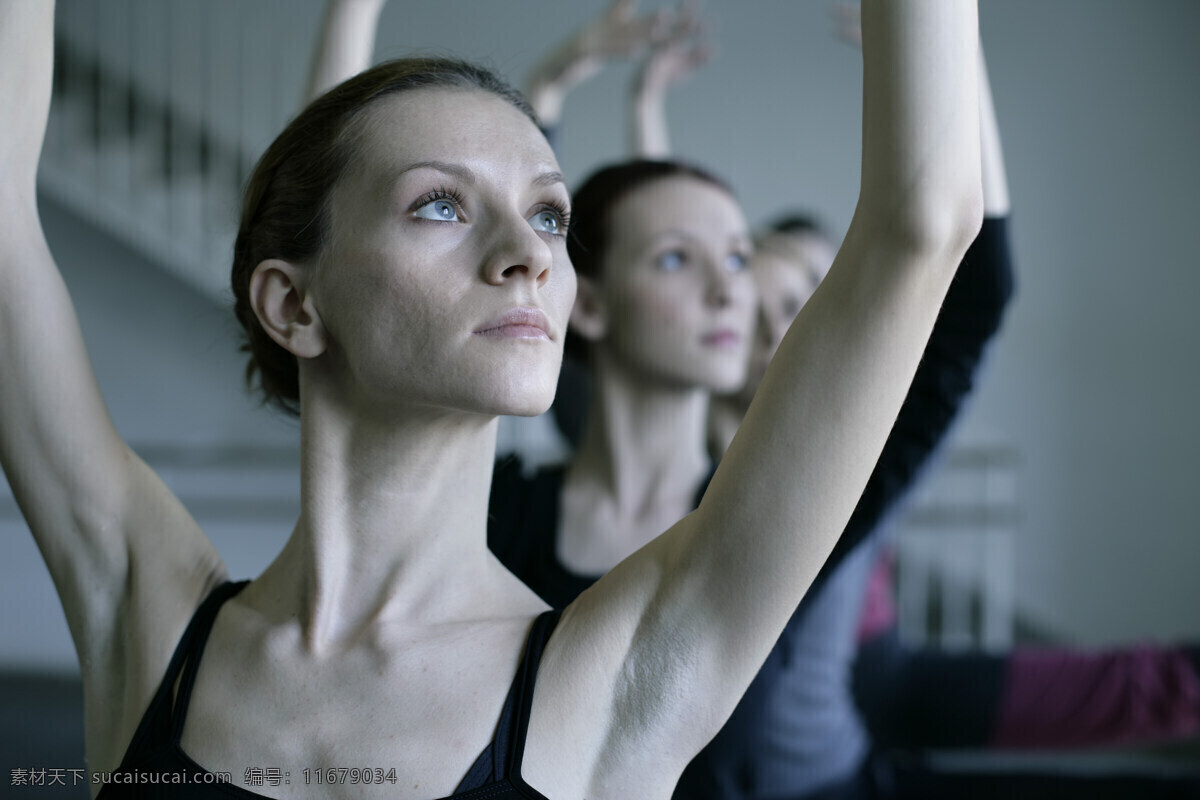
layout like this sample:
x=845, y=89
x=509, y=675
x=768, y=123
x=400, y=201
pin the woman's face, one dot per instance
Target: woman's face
x=787, y=268
x=678, y=299
x=445, y=282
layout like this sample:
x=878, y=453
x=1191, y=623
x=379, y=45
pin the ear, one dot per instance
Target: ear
x=285, y=309
x=589, y=316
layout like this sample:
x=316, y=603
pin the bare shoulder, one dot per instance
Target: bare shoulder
x=616, y=688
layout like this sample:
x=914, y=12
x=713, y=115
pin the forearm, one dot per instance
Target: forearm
x=649, y=118
x=546, y=92
x=345, y=45
x=551, y=80
x=26, y=65
x=920, y=164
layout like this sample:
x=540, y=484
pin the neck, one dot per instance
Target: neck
x=644, y=443
x=393, y=521
x=725, y=414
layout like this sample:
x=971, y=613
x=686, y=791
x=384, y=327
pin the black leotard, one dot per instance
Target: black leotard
x=155, y=752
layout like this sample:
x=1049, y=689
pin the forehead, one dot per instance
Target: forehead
x=679, y=204
x=471, y=128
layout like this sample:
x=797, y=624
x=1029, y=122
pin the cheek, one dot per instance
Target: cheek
x=746, y=298
x=655, y=307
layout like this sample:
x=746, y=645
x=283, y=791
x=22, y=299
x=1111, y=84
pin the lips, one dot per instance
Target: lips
x=518, y=323
x=723, y=337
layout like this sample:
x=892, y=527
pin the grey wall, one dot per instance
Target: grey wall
x=1095, y=381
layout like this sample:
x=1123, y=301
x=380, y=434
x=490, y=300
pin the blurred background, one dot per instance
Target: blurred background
x=1074, y=475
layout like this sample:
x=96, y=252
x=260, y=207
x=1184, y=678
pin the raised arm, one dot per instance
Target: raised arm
x=128, y=561
x=969, y=318
x=694, y=613
x=344, y=45
x=684, y=50
x=794, y=472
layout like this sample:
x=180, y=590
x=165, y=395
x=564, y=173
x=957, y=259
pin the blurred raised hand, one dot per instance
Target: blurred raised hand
x=686, y=47
x=620, y=32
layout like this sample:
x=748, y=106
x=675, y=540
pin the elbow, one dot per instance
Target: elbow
x=933, y=224
x=941, y=226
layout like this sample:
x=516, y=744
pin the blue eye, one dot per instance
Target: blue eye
x=671, y=260
x=441, y=209
x=547, y=221
x=736, y=262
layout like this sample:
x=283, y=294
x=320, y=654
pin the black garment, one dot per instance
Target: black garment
x=903, y=719
x=523, y=523
x=885, y=778
x=523, y=517
x=155, y=751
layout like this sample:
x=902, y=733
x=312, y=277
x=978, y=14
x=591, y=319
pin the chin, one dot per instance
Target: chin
x=727, y=384
x=524, y=397
x=724, y=378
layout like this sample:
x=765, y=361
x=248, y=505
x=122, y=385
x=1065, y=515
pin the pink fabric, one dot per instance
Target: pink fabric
x=1057, y=698
x=879, y=603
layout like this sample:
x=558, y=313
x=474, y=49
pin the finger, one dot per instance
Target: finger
x=622, y=9
x=631, y=37
x=680, y=28
x=653, y=29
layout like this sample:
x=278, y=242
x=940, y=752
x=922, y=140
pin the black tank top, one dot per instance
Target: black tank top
x=155, y=753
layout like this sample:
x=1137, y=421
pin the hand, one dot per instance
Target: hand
x=686, y=48
x=618, y=33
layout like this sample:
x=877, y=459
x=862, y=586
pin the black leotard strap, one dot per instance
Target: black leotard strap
x=192, y=646
x=155, y=725
x=526, y=678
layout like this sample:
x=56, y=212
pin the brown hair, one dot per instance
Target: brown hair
x=285, y=212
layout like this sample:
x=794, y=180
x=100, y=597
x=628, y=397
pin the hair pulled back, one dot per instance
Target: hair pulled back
x=591, y=230
x=285, y=210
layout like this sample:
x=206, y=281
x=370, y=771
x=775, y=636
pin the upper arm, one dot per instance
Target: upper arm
x=945, y=377
x=344, y=44
x=100, y=516
x=126, y=557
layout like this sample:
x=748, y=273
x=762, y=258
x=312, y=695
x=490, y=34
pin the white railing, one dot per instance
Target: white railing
x=954, y=552
x=159, y=108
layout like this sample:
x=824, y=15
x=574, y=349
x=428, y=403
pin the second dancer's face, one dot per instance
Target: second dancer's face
x=787, y=268
x=679, y=300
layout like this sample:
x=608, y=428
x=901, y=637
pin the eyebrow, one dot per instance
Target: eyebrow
x=548, y=178
x=457, y=170
x=743, y=238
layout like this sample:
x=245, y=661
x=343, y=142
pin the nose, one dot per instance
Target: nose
x=720, y=286
x=517, y=253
